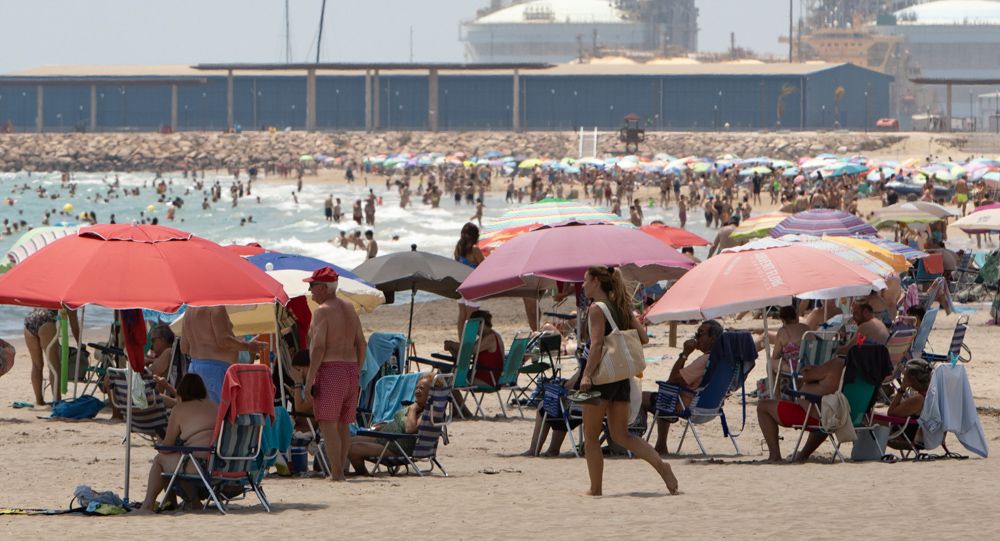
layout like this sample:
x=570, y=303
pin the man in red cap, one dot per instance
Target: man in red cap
x=336, y=352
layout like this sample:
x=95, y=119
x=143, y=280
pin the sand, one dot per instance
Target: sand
x=492, y=493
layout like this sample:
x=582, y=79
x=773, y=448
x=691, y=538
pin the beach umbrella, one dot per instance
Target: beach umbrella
x=758, y=226
x=760, y=276
x=135, y=266
x=980, y=221
x=911, y=212
x=413, y=271
x=530, y=163
x=887, y=254
x=820, y=222
x=844, y=251
x=539, y=259
x=488, y=244
x=245, y=250
x=673, y=236
x=551, y=211
x=908, y=252
x=305, y=158
x=290, y=270
x=35, y=239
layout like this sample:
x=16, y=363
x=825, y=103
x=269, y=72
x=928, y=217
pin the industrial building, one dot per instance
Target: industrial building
x=563, y=30
x=740, y=96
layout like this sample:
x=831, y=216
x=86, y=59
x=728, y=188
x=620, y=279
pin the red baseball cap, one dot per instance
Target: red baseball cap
x=324, y=274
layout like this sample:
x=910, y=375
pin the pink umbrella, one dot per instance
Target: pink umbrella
x=748, y=279
x=540, y=258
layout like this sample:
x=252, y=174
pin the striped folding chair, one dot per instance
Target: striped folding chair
x=432, y=427
x=556, y=408
x=151, y=421
x=957, y=350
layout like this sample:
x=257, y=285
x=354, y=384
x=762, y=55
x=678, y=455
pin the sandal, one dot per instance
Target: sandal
x=580, y=397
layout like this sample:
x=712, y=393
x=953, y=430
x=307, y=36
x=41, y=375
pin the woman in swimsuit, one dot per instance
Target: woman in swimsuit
x=467, y=253
x=192, y=421
x=39, y=332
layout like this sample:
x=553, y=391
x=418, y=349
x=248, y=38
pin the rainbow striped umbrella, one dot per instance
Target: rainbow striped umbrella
x=758, y=226
x=553, y=211
x=818, y=222
x=890, y=255
x=849, y=253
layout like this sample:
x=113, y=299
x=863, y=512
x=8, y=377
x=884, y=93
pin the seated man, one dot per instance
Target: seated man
x=686, y=374
x=819, y=380
x=160, y=350
x=871, y=330
x=404, y=421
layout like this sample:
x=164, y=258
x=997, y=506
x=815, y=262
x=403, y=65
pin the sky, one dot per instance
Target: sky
x=112, y=32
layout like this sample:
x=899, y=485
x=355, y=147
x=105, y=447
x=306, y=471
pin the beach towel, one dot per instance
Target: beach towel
x=247, y=388
x=277, y=436
x=390, y=392
x=950, y=407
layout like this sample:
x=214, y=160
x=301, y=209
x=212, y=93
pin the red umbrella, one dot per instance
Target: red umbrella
x=136, y=266
x=675, y=237
x=245, y=250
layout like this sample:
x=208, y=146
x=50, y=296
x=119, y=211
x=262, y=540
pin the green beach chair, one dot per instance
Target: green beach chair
x=508, y=377
x=462, y=365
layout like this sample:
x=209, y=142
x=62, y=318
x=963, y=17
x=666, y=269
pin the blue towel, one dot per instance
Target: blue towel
x=390, y=392
x=381, y=347
x=738, y=347
x=276, y=435
x=212, y=373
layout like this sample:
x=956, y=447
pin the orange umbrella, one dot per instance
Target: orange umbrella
x=675, y=237
x=495, y=239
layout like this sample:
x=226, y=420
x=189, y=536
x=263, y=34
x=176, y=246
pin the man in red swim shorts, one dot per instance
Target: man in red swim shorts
x=336, y=352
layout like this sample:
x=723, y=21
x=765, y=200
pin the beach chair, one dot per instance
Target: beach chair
x=151, y=421
x=557, y=408
x=899, y=345
x=508, y=377
x=963, y=278
x=430, y=430
x=726, y=372
x=385, y=356
x=233, y=467
x=538, y=370
x=461, y=366
x=815, y=348
x=958, y=349
x=924, y=332
x=929, y=269
x=860, y=393
x=929, y=297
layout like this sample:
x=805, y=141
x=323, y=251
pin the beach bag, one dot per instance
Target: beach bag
x=84, y=407
x=623, y=357
x=871, y=446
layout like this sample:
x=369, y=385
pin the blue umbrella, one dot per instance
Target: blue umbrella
x=281, y=261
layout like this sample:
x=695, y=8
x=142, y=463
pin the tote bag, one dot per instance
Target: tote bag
x=622, y=357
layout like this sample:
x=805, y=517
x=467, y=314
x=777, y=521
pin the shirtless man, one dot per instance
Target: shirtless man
x=871, y=330
x=337, y=212
x=336, y=352
x=371, y=245
x=208, y=338
x=723, y=239
x=962, y=193
x=478, y=216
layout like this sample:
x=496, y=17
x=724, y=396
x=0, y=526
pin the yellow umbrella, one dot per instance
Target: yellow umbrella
x=897, y=261
x=758, y=226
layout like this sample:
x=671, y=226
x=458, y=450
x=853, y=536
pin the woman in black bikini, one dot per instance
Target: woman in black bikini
x=39, y=332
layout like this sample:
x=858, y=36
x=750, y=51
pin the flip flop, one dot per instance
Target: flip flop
x=581, y=397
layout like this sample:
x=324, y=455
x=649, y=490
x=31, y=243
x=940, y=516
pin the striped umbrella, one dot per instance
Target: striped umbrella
x=908, y=252
x=848, y=253
x=552, y=212
x=36, y=239
x=893, y=258
x=819, y=222
x=758, y=226
x=911, y=212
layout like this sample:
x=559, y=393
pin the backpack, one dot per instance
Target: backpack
x=84, y=407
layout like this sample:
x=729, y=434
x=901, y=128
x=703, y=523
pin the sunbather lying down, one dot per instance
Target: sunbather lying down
x=404, y=421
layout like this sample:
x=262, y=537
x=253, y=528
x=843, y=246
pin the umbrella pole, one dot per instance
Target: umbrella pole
x=409, y=327
x=128, y=423
x=79, y=351
x=277, y=355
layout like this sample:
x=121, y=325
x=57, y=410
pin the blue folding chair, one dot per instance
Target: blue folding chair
x=957, y=350
x=556, y=407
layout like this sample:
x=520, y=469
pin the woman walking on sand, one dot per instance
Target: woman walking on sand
x=604, y=285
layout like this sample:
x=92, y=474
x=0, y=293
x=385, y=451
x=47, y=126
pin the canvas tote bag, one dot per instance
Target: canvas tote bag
x=622, y=357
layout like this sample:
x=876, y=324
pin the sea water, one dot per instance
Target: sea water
x=278, y=222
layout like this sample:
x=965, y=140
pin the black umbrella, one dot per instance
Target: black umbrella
x=412, y=271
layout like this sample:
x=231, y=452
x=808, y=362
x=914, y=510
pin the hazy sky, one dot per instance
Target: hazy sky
x=38, y=32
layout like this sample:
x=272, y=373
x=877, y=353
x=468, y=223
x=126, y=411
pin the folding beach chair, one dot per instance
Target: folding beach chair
x=815, y=348
x=538, y=370
x=958, y=349
x=433, y=421
x=899, y=345
x=385, y=356
x=508, y=377
x=929, y=269
x=464, y=364
x=733, y=357
x=150, y=421
x=930, y=296
x=232, y=468
x=860, y=393
x=557, y=408
x=963, y=278
x=924, y=332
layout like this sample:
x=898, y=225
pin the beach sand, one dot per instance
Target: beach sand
x=492, y=493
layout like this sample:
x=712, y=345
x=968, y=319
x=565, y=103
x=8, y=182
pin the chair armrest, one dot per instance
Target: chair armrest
x=182, y=449
x=440, y=365
x=893, y=419
x=444, y=357
x=392, y=436
x=559, y=315
x=814, y=398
